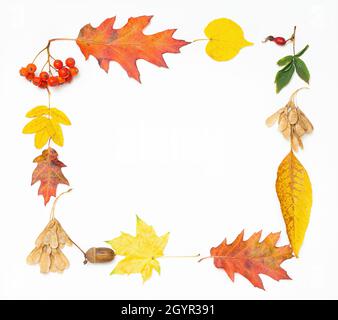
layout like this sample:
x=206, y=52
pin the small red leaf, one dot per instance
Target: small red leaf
x=48, y=171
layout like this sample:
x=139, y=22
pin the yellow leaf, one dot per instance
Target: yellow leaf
x=140, y=251
x=294, y=192
x=50, y=128
x=123, y=245
x=37, y=112
x=57, y=137
x=131, y=265
x=226, y=39
x=60, y=116
x=41, y=138
x=35, y=125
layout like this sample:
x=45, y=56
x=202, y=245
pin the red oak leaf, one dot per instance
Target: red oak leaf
x=251, y=258
x=127, y=44
x=48, y=171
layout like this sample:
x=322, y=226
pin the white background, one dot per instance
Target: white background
x=187, y=150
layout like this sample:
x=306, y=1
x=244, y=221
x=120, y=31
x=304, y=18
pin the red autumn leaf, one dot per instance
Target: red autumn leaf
x=48, y=171
x=127, y=44
x=251, y=258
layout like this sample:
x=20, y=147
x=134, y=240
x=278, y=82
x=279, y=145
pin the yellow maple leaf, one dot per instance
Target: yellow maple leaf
x=226, y=39
x=140, y=251
x=294, y=192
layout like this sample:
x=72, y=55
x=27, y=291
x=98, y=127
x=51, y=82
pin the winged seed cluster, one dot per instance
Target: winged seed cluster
x=292, y=122
x=47, y=251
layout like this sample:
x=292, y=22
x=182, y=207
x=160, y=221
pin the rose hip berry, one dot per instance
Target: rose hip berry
x=279, y=41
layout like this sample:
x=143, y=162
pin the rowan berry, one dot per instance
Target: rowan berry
x=30, y=76
x=23, y=72
x=31, y=67
x=36, y=81
x=44, y=75
x=58, y=64
x=61, y=80
x=64, y=72
x=69, y=78
x=53, y=81
x=43, y=84
x=74, y=71
x=70, y=62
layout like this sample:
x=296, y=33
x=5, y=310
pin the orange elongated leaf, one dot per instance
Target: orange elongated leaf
x=48, y=172
x=251, y=258
x=127, y=44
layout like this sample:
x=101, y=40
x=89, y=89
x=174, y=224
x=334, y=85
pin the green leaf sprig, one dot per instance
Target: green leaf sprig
x=290, y=64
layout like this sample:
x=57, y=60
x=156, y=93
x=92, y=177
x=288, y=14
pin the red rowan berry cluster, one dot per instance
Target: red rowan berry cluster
x=64, y=73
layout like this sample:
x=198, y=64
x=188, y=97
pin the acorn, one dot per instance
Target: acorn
x=100, y=255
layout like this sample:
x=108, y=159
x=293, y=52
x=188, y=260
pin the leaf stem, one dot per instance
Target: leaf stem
x=200, y=39
x=204, y=258
x=61, y=39
x=49, y=109
x=221, y=257
x=193, y=256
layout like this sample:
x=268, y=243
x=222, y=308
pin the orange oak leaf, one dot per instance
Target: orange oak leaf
x=48, y=171
x=127, y=44
x=251, y=258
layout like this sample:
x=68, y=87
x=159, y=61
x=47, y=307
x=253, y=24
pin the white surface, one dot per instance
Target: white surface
x=187, y=150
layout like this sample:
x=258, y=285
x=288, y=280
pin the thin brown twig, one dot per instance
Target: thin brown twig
x=44, y=65
x=52, y=213
x=77, y=246
x=52, y=216
x=47, y=47
x=49, y=109
x=293, y=39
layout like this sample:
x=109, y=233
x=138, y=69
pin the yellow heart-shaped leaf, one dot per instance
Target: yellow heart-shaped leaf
x=226, y=39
